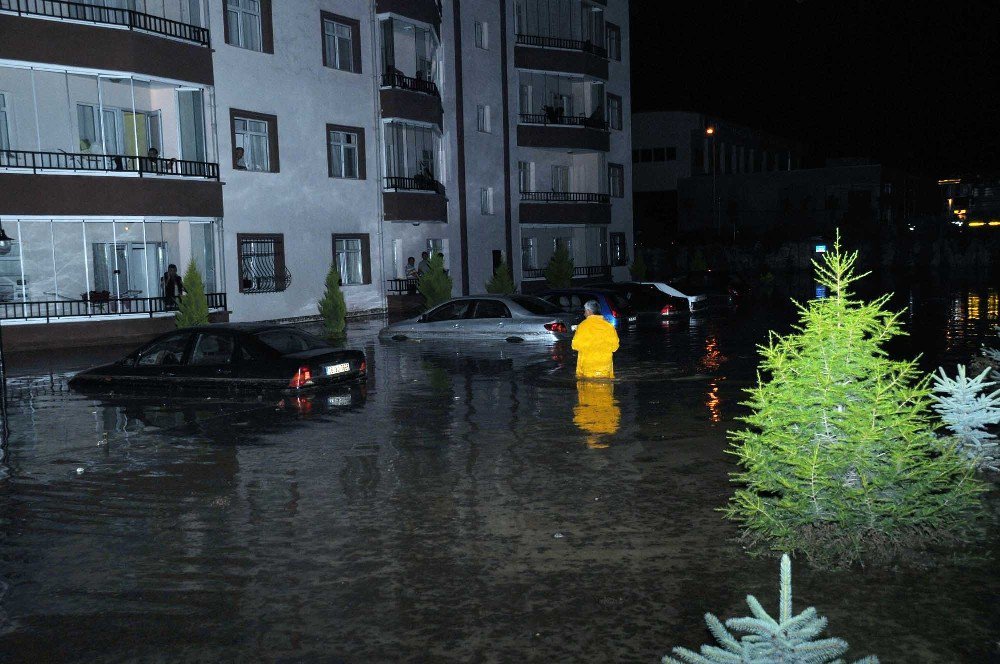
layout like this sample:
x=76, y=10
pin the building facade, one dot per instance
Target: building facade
x=265, y=141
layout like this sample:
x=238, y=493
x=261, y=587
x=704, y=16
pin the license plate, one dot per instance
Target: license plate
x=339, y=400
x=334, y=369
x=632, y=319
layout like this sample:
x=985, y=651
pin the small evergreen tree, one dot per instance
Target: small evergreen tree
x=192, y=309
x=840, y=460
x=638, y=267
x=789, y=639
x=501, y=283
x=559, y=271
x=435, y=284
x=967, y=413
x=332, y=307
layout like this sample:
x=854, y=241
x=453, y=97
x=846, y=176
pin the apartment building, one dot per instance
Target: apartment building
x=266, y=140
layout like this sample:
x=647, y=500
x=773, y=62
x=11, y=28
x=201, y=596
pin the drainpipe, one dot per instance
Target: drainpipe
x=376, y=112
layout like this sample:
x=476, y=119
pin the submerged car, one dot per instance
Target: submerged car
x=650, y=304
x=510, y=317
x=697, y=301
x=231, y=355
x=614, y=308
x=718, y=287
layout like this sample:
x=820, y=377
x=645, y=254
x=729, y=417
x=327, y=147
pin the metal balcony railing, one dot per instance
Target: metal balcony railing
x=109, y=163
x=127, y=18
x=559, y=42
x=554, y=117
x=98, y=303
x=583, y=271
x=564, y=197
x=398, y=80
x=414, y=184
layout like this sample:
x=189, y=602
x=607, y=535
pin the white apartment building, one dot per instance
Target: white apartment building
x=293, y=135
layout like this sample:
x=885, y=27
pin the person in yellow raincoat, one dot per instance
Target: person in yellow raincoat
x=595, y=341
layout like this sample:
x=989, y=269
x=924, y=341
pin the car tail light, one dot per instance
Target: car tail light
x=556, y=326
x=667, y=310
x=614, y=312
x=301, y=378
x=363, y=368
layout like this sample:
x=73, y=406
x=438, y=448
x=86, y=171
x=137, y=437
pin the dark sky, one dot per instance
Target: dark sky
x=914, y=84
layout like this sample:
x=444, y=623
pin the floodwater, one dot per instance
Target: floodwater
x=472, y=504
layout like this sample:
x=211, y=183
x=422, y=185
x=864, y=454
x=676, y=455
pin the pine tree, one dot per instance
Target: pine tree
x=967, y=413
x=789, y=639
x=638, y=267
x=435, y=284
x=332, y=307
x=559, y=271
x=501, y=283
x=192, y=309
x=839, y=460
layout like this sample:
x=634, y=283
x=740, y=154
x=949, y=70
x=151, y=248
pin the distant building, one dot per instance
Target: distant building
x=972, y=201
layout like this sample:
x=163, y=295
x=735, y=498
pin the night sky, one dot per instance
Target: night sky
x=913, y=84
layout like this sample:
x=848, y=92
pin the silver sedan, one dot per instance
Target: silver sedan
x=510, y=317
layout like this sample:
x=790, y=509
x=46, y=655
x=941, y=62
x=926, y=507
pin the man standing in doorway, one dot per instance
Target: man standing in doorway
x=172, y=286
x=595, y=342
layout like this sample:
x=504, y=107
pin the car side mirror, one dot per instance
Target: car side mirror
x=422, y=319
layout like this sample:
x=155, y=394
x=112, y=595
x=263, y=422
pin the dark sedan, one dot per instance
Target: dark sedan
x=232, y=355
x=650, y=305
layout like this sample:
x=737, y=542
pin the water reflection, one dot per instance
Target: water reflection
x=712, y=402
x=596, y=412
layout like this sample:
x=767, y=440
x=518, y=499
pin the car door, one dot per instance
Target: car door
x=490, y=318
x=210, y=361
x=161, y=360
x=446, y=320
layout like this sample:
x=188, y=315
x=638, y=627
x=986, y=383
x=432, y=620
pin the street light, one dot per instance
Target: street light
x=5, y=242
x=710, y=132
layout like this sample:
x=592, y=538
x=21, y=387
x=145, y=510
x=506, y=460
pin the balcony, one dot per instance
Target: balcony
x=403, y=82
x=557, y=54
x=425, y=11
x=601, y=272
x=564, y=207
x=109, y=16
x=43, y=162
x=414, y=199
x=97, y=304
x=410, y=98
x=553, y=129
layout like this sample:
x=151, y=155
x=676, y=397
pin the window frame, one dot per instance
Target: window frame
x=354, y=25
x=274, y=164
x=483, y=123
x=619, y=249
x=613, y=36
x=482, y=35
x=266, y=27
x=366, y=256
x=279, y=261
x=360, y=166
x=619, y=169
x=486, y=201
x=609, y=98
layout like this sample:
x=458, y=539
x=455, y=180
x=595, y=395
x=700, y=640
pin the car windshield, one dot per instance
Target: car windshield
x=535, y=305
x=290, y=341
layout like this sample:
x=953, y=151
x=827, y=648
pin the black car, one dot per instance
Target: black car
x=650, y=304
x=250, y=356
x=614, y=308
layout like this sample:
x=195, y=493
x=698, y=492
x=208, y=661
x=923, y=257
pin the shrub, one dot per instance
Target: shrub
x=332, y=307
x=192, y=308
x=501, y=283
x=559, y=271
x=435, y=284
x=789, y=639
x=839, y=460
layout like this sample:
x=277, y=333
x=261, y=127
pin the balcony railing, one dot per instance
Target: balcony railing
x=555, y=117
x=98, y=303
x=559, y=42
x=564, y=197
x=127, y=18
x=414, y=184
x=108, y=163
x=398, y=80
x=583, y=271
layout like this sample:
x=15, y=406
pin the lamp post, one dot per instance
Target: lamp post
x=710, y=132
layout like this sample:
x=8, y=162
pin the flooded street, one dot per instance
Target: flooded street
x=471, y=504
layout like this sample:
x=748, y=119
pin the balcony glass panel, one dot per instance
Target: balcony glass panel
x=556, y=99
x=409, y=51
x=573, y=24
x=587, y=245
x=412, y=156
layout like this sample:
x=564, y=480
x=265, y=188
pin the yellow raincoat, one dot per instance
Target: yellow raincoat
x=595, y=340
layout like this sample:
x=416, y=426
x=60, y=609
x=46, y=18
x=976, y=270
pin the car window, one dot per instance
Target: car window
x=455, y=310
x=212, y=348
x=290, y=341
x=169, y=350
x=491, y=309
x=535, y=305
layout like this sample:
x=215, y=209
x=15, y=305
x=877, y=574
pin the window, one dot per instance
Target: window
x=529, y=253
x=619, y=251
x=255, y=141
x=411, y=151
x=525, y=176
x=4, y=124
x=565, y=243
x=341, y=42
x=248, y=24
x=535, y=305
x=482, y=35
x=483, y=117
x=615, y=111
x=261, y=261
x=614, y=40
x=456, y=310
x=345, y=152
x=352, y=255
x=491, y=309
x=560, y=178
x=212, y=349
x=486, y=200
x=165, y=351
x=616, y=180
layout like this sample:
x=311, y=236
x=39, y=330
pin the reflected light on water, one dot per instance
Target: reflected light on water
x=713, y=357
x=972, y=306
x=992, y=304
x=596, y=412
x=713, y=402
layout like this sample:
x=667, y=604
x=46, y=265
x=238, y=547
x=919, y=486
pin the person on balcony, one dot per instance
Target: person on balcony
x=411, y=268
x=595, y=342
x=172, y=287
x=424, y=266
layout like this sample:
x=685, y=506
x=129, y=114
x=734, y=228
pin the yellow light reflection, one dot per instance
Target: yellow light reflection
x=992, y=305
x=972, y=306
x=976, y=224
x=713, y=357
x=713, y=402
x=596, y=412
